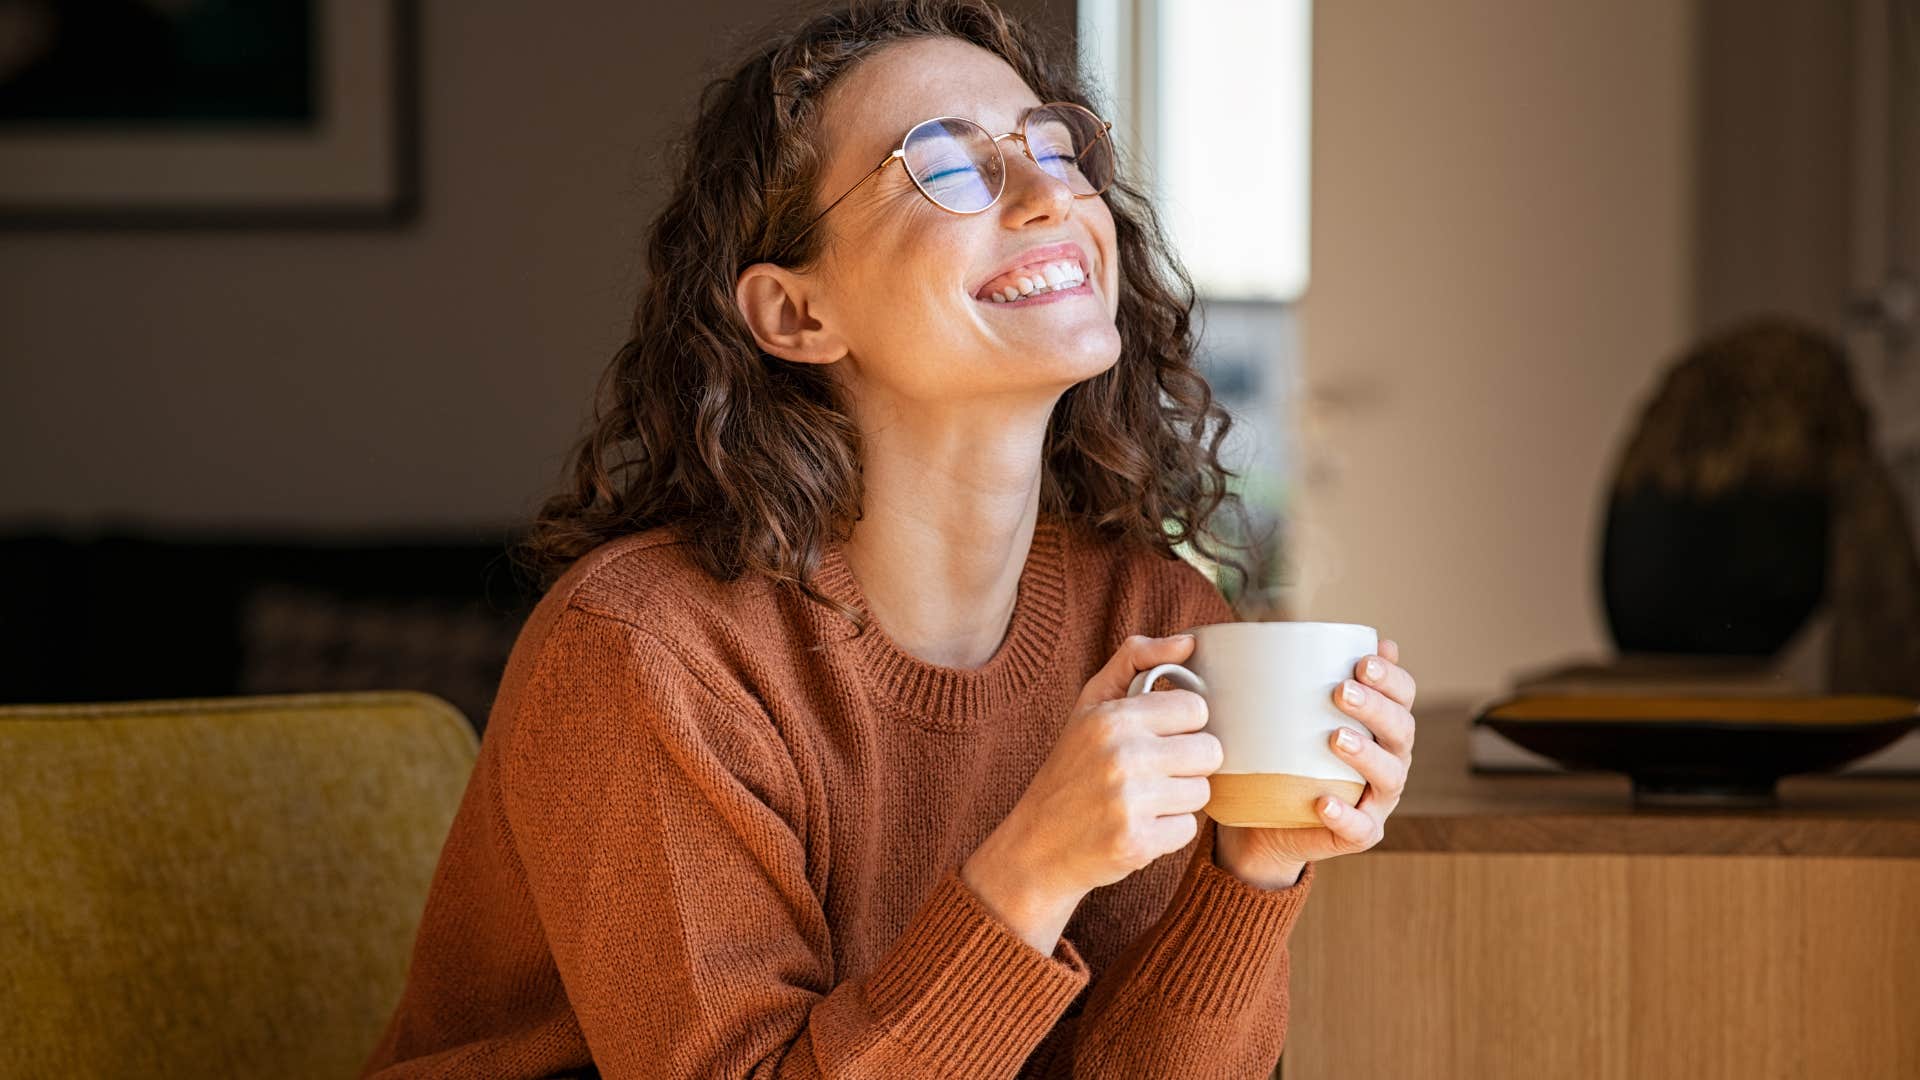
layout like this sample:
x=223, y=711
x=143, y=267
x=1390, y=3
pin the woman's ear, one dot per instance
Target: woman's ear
x=776, y=304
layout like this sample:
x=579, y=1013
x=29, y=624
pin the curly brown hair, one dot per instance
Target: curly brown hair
x=758, y=459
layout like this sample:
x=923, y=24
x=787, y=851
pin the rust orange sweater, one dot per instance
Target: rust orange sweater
x=693, y=848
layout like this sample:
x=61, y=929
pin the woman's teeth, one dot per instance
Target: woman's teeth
x=1034, y=280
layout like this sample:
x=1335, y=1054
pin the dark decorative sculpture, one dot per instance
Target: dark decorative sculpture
x=1748, y=496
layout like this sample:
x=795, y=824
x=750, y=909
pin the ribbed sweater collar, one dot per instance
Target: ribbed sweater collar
x=954, y=699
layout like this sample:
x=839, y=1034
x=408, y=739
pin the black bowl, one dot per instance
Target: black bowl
x=1704, y=751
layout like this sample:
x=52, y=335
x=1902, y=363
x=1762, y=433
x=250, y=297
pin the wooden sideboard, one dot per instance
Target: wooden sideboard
x=1539, y=926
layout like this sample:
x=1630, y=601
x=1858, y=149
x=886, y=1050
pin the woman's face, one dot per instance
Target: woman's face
x=903, y=284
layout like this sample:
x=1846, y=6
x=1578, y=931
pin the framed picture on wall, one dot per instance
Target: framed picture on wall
x=197, y=113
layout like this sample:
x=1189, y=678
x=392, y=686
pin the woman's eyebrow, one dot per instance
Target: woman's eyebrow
x=1019, y=118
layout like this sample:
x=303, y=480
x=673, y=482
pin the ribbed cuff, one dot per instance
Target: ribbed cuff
x=962, y=989
x=1222, y=941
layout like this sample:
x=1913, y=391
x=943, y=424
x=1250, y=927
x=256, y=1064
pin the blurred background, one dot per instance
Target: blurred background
x=302, y=303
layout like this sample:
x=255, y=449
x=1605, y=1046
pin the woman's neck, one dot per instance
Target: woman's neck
x=941, y=567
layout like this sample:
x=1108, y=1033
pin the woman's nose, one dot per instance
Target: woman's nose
x=1032, y=193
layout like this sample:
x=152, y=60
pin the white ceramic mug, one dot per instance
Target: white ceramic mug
x=1269, y=689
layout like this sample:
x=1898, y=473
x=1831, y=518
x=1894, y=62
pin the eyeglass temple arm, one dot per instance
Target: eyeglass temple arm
x=871, y=173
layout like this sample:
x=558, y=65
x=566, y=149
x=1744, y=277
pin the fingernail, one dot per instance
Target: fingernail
x=1374, y=670
x=1331, y=807
x=1348, y=740
x=1351, y=691
x=1181, y=637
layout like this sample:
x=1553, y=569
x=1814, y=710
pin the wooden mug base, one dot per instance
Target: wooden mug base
x=1274, y=800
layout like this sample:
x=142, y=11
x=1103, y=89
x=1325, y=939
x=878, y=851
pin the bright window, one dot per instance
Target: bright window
x=1213, y=97
x=1211, y=107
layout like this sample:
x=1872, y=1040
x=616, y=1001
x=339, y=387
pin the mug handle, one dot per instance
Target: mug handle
x=1182, y=678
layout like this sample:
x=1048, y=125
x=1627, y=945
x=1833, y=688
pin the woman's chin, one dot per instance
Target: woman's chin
x=1082, y=330
x=1066, y=362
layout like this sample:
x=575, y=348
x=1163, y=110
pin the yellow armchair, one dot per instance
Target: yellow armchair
x=216, y=887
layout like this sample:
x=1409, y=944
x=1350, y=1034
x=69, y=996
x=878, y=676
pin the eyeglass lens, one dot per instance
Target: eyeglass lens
x=958, y=165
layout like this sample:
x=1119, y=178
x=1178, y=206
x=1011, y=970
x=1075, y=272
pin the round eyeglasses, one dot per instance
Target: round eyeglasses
x=958, y=165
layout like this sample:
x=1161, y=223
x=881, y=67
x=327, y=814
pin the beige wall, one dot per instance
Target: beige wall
x=430, y=377
x=1501, y=261
x=1773, y=200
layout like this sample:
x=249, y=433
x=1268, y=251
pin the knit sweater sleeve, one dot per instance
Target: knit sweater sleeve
x=660, y=824
x=1204, y=991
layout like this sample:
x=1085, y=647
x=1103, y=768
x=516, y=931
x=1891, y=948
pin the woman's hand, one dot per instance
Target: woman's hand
x=1120, y=789
x=1273, y=858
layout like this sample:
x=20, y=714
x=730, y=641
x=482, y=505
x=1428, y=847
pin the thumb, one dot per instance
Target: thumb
x=1137, y=654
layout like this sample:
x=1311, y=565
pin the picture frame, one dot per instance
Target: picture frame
x=341, y=152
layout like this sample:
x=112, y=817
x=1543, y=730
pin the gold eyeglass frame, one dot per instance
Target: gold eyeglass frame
x=900, y=153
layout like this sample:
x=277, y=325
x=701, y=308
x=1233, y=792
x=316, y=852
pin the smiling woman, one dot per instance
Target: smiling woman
x=716, y=831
